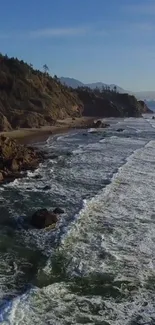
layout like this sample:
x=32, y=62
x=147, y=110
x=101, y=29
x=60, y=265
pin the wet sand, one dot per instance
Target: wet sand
x=28, y=136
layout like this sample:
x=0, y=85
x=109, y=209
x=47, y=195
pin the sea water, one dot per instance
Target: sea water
x=98, y=265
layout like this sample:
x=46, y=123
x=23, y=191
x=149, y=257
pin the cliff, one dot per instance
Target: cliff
x=30, y=98
x=144, y=108
x=109, y=103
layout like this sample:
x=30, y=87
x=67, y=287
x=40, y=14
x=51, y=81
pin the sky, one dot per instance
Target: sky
x=112, y=41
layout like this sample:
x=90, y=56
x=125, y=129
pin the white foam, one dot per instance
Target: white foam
x=113, y=234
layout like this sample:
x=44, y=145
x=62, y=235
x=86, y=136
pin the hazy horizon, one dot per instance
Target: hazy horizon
x=103, y=81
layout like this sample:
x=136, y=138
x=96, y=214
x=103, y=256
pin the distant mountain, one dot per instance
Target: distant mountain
x=71, y=82
x=74, y=83
x=94, y=85
x=100, y=85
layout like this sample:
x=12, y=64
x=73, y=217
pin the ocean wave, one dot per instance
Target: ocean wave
x=100, y=259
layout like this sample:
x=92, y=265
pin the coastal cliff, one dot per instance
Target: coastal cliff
x=108, y=103
x=30, y=98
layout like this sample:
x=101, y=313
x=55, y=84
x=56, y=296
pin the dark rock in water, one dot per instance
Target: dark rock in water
x=106, y=181
x=153, y=117
x=47, y=187
x=100, y=124
x=85, y=134
x=43, y=218
x=58, y=211
x=54, y=156
x=120, y=130
x=1, y=176
x=68, y=153
x=50, y=155
x=37, y=176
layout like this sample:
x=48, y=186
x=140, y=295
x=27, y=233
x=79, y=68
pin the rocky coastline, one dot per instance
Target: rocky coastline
x=15, y=159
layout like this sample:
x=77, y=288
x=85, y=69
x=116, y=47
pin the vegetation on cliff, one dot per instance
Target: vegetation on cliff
x=31, y=98
x=106, y=102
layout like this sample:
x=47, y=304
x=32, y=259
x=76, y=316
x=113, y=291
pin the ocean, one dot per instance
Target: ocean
x=98, y=265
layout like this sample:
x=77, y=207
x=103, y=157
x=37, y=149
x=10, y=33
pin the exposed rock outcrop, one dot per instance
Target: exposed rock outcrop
x=144, y=107
x=58, y=211
x=15, y=158
x=44, y=218
x=100, y=124
x=4, y=124
x=120, y=130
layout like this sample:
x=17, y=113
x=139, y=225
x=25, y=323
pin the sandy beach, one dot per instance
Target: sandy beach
x=28, y=136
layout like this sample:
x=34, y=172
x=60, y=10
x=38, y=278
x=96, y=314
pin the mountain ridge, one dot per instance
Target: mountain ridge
x=147, y=96
x=75, y=83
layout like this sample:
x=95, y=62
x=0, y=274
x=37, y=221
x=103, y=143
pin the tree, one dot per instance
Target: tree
x=103, y=89
x=45, y=68
x=115, y=89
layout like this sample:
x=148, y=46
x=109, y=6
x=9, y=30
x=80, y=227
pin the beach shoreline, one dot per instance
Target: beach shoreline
x=30, y=136
x=25, y=140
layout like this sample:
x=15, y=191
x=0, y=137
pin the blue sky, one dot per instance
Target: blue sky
x=91, y=40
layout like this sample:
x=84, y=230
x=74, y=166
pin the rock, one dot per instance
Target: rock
x=15, y=158
x=85, y=134
x=120, y=130
x=153, y=117
x=68, y=154
x=37, y=176
x=4, y=123
x=43, y=218
x=1, y=177
x=15, y=165
x=54, y=156
x=46, y=188
x=144, y=108
x=51, y=227
x=100, y=124
x=58, y=211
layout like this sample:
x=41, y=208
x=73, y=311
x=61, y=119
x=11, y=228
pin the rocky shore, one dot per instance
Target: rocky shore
x=16, y=158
